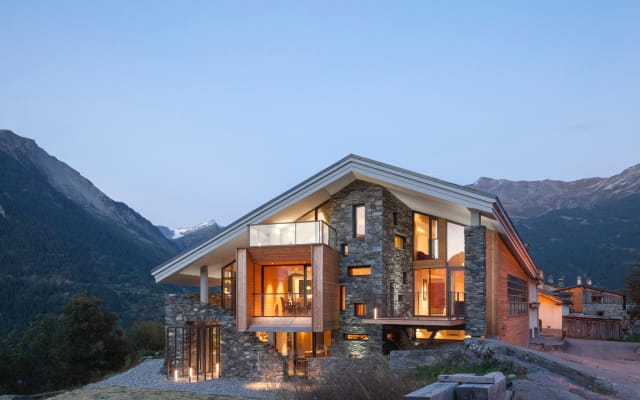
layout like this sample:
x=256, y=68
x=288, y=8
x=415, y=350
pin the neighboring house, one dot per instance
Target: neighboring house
x=595, y=313
x=359, y=259
x=552, y=309
x=589, y=300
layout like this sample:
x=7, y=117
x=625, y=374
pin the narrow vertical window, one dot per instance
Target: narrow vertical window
x=359, y=224
x=398, y=242
x=343, y=298
x=360, y=309
x=395, y=218
x=405, y=278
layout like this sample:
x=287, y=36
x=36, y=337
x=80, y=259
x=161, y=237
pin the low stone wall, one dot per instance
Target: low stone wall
x=242, y=354
x=447, y=352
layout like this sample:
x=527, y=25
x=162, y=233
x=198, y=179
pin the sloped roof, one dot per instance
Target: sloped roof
x=597, y=289
x=420, y=192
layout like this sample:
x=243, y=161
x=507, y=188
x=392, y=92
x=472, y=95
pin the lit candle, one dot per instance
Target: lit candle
x=375, y=313
x=175, y=375
x=217, y=370
x=190, y=374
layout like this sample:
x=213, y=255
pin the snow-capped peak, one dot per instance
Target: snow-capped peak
x=180, y=232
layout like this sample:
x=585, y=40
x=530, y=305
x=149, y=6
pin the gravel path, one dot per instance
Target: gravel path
x=149, y=375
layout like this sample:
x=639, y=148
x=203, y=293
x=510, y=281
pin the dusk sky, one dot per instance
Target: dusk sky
x=190, y=111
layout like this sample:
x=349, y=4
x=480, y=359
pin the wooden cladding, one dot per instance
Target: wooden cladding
x=324, y=285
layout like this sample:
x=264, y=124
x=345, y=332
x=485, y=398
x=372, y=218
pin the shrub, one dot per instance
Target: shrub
x=147, y=336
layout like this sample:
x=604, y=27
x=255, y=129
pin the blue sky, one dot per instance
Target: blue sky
x=189, y=111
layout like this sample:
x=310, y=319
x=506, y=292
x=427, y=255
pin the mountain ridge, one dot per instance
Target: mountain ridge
x=79, y=189
x=533, y=198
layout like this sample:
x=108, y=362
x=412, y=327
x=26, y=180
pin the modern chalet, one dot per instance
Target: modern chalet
x=362, y=258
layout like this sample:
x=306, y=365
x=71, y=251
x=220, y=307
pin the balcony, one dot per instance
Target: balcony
x=292, y=233
x=435, y=313
x=282, y=305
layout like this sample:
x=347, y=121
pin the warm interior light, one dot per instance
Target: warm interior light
x=190, y=373
x=217, y=370
x=375, y=313
x=175, y=375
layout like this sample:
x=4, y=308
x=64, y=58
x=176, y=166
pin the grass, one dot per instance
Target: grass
x=429, y=374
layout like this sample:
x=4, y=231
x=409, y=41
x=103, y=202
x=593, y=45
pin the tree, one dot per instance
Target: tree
x=57, y=352
x=147, y=336
x=633, y=288
x=93, y=343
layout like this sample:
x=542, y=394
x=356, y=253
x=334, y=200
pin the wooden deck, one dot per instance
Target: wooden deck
x=416, y=321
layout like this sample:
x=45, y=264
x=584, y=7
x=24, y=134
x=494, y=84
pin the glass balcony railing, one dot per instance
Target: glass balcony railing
x=282, y=304
x=311, y=232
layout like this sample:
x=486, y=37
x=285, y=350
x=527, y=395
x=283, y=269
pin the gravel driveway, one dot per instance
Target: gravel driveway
x=149, y=375
x=619, y=362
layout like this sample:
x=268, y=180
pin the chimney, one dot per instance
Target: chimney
x=589, y=282
x=579, y=280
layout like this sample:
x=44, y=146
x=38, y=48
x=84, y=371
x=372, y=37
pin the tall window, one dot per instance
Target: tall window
x=517, y=296
x=425, y=237
x=360, y=309
x=229, y=287
x=359, y=223
x=455, y=245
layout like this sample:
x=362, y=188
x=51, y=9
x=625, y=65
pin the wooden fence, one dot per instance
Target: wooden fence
x=592, y=327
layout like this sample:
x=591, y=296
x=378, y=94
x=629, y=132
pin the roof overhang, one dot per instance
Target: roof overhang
x=420, y=192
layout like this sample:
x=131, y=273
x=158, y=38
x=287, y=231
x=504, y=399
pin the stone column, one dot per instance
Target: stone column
x=204, y=284
x=475, y=280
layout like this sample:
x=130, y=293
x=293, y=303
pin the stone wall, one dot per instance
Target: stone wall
x=241, y=354
x=363, y=251
x=389, y=288
x=398, y=263
x=475, y=280
x=451, y=353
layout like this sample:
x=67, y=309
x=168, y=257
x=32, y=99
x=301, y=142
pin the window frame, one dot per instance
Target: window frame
x=353, y=268
x=356, y=232
x=517, y=296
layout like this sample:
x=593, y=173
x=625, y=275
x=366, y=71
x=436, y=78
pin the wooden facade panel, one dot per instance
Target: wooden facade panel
x=325, y=289
x=331, y=289
x=281, y=254
x=492, y=283
x=511, y=329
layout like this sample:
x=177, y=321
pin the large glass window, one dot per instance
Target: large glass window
x=425, y=237
x=359, y=223
x=430, y=291
x=229, y=287
x=283, y=290
x=517, y=296
x=455, y=245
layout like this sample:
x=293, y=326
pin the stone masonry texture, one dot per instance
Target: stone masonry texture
x=241, y=354
x=475, y=280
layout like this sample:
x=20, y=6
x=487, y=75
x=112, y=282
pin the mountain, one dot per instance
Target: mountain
x=60, y=235
x=533, y=198
x=588, y=227
x=186, y=238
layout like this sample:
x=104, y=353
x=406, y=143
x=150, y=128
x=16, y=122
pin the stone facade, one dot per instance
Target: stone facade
x=397, y=262
x=241, y=353
x=437, y=354
x=388, y=288
x=475, y=280
x=363, y=251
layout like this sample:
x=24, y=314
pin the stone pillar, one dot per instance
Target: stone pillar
x=204, y=284
x=475, y=281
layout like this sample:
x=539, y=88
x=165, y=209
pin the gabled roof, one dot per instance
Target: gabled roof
x=581, y=286
x=420, y=192
x=552, y=297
